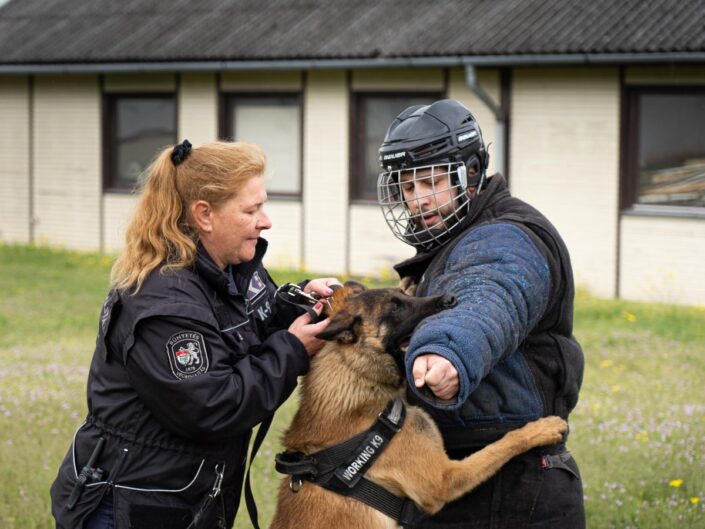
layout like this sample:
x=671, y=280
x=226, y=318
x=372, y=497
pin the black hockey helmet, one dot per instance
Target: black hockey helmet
x=437, y=146
x=443, y=132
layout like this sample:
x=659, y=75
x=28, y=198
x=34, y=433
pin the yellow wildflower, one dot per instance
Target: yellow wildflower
x=629, y=316
x=676, y=483
x=694, y=500
x=606, y=363
x=616, y=388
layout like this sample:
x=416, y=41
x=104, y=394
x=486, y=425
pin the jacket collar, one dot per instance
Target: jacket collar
x=495, y=191
x=218, y=279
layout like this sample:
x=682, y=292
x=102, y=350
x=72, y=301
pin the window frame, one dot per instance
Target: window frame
x=110, y=134
x=357, y=139
x=226, y=129
x=629, y=177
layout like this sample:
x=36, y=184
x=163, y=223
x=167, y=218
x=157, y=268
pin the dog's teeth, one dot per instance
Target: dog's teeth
x=404, y=348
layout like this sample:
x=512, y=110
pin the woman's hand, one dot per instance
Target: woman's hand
x=306, y=331
x=321, y=286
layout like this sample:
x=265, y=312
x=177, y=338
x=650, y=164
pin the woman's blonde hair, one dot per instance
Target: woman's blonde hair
x=161, y=230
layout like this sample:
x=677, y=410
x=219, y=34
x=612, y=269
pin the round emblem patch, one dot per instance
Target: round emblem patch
x=187, y=354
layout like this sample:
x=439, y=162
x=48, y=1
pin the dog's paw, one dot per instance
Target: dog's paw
x=545, y=431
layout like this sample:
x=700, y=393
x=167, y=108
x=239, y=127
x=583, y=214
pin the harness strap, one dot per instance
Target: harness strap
x=340, y=468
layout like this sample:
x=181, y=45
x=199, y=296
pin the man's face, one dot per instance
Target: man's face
x=429, y=195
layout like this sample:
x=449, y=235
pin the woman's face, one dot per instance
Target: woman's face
x=236, y=225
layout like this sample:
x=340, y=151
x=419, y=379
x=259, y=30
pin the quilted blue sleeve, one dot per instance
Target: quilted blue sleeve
x=502, y=284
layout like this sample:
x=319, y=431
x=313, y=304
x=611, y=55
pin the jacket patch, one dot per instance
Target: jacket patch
x=256, y=286
x=187, y=354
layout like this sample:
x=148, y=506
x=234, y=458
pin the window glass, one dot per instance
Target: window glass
x=143, y=126
x=375, y=113
x=671, y=149
x=273, y=123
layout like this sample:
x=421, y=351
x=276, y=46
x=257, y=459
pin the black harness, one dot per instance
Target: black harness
x=340, y=468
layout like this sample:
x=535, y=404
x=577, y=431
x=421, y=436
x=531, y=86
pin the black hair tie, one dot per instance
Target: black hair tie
x=180, y=152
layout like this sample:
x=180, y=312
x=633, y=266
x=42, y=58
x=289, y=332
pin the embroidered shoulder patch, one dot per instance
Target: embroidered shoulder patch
x=187, y=354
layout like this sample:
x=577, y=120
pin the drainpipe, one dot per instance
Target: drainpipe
x=471, y=81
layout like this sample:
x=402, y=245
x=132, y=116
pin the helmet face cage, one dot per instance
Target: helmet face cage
x=406, y=196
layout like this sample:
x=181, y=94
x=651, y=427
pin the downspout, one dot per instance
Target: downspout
x=471, y=81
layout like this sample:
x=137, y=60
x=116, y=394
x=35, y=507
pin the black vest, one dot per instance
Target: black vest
x=554, y=355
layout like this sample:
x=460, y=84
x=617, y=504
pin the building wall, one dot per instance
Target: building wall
x=564, y=160
x=67, y=157
x=198, y=108
x=15, y=180
x=325, y=163
x=372, y=249
x=661, y=258
x=563, y=155
x=193, y=100
x=286, y=236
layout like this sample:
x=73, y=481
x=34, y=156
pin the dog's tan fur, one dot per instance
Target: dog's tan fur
x=350, y=381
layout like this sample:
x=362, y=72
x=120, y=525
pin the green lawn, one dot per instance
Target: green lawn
x=638, y=432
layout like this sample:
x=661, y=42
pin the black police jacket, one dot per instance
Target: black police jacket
x=535, y=336
x=181, y=373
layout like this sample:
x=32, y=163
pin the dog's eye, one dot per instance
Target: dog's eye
x=395, y=305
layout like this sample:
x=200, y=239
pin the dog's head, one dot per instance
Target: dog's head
x=378, y=321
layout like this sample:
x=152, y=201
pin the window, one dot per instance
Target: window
x=372, y=115
x=137, y=127
x=665, y=148
x=274, y=123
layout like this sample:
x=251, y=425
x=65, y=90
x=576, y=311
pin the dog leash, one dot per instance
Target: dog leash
x=340, y=468
x=249, y=496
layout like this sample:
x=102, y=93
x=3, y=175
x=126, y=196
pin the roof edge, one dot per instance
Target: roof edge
x=366, y=63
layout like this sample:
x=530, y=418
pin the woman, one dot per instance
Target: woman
x=191, y=354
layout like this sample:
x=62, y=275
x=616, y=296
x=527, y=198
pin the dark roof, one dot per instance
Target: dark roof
x=100, y=31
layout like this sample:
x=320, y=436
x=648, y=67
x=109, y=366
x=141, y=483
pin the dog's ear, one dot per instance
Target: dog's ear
x=342, y=327
x=355, y=287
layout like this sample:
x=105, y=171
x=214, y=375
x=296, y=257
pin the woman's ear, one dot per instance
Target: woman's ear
x=202, y=216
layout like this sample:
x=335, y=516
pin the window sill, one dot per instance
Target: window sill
x=641, y=210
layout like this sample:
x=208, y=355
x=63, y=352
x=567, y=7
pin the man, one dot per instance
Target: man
x=505, y=355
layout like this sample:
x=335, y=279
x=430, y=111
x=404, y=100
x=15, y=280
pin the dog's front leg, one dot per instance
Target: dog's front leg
x=420, y=469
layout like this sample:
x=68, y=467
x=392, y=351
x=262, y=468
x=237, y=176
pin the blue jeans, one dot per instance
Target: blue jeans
x=103, y=517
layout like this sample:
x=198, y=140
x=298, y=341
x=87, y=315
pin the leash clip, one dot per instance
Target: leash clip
x=218, y=481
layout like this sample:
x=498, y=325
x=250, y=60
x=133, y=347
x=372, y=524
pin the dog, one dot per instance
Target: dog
x=350, y=381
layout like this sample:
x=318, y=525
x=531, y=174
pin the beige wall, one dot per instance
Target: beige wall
x=421, y=80
x=489, y=81
x=198, y=108
x=662, y=259
x=564, y=160
x=325, y=164
x=373, y=249
x=261, y=81
x=67, y=147
x=117, y=209
x=286, y=236
x=14, y=159
x=144, y=82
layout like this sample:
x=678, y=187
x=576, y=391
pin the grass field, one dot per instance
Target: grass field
x=638, y=432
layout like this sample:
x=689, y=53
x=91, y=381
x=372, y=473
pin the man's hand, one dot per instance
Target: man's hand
x=438, y=374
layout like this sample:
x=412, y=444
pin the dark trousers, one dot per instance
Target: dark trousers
x=524, y=494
